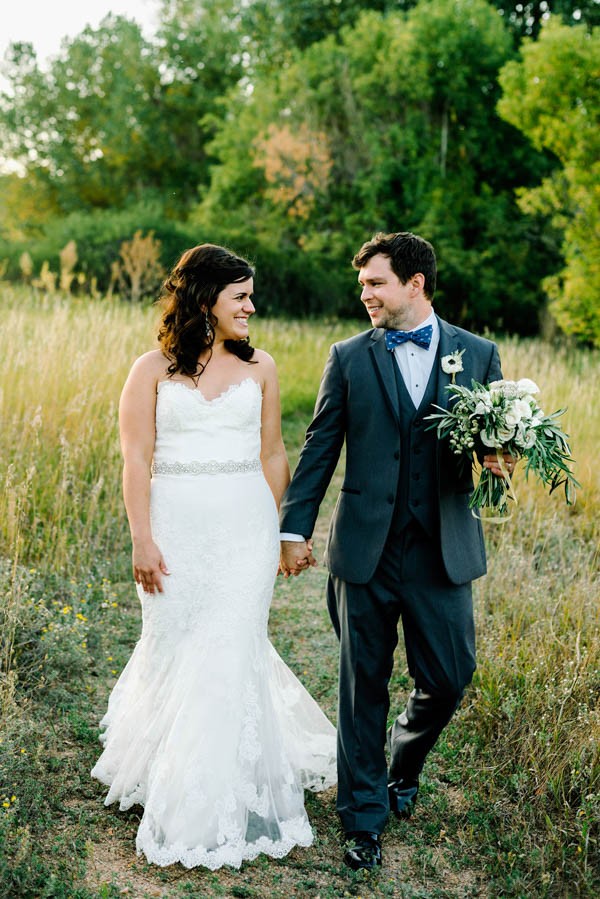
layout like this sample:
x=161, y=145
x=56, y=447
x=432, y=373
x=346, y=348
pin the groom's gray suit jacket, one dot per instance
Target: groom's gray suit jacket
x=358, y=402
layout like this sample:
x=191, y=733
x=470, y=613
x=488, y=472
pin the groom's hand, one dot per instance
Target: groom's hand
x=296, y=556
x=491, y=461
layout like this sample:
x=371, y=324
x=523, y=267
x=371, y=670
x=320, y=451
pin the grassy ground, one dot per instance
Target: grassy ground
x=511, y=798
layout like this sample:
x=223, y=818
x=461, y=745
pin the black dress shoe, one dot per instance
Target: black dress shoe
x=364, y=850
x=403, y=796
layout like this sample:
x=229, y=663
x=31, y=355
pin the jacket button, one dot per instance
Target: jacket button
x=390, y=500
x=396, y=455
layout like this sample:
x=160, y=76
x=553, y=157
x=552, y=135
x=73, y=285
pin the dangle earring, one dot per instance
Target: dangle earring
x=208, y=329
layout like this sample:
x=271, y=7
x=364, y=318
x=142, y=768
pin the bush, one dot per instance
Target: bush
x=99, y=236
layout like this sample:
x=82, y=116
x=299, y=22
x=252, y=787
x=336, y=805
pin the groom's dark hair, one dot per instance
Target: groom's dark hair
x=409, y=254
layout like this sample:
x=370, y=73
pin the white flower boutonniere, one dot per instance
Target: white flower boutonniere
x=452, y=364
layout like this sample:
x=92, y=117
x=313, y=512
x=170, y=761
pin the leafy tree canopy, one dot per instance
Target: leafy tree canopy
x=551, y=94
x=388, y=125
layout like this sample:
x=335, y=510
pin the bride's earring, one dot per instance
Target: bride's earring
x=207, y=327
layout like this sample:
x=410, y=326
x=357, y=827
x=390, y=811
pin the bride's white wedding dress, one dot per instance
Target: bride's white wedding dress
x=206, y=727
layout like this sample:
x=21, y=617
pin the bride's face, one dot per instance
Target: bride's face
x=232, y=311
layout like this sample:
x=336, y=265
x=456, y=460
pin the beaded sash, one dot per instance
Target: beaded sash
x=210, y=467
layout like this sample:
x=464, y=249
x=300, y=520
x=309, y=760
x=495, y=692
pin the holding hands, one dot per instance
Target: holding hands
x=296, y=556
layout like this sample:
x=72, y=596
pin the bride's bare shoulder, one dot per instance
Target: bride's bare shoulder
x=263, y=358
x=149, y=366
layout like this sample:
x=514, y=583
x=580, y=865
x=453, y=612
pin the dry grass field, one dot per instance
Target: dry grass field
x=511, y=798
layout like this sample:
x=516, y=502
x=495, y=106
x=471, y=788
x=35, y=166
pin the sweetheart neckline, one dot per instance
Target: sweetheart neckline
x=225, y=393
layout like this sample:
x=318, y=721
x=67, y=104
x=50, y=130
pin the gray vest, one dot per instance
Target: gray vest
x=417, y=493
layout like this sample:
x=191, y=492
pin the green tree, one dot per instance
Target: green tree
x=79, y=130
x=397, y=119
x=118, y=119
x=526, y=17
x=551, y=94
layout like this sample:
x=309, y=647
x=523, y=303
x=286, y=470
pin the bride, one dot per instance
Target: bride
x=206, y=727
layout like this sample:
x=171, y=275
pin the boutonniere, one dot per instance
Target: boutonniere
x=452, y=363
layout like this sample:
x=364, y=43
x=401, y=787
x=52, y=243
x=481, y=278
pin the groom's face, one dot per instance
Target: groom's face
x=388, y=302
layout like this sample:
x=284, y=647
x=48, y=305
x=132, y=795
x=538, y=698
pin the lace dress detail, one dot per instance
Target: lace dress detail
x=206, y=727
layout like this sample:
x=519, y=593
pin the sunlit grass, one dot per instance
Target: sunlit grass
x=523, y=748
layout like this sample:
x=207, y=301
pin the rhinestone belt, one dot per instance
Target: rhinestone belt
x=211, y=467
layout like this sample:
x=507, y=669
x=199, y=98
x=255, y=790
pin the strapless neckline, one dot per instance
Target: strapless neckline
x=220, y=397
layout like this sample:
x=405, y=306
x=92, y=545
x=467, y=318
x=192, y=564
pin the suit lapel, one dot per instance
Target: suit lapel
x=382, y=360
x=449, y=343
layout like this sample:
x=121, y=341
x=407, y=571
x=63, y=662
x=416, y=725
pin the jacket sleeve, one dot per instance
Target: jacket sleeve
x=494, y=372
x=320, y=453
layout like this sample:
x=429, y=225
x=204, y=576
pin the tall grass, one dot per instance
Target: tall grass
x=523, y=749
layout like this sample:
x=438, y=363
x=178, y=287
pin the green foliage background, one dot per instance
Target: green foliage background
x=292, y=131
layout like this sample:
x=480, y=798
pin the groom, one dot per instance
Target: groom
x=403, y=543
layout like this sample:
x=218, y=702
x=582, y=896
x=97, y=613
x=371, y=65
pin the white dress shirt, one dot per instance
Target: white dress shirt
x=415, y=364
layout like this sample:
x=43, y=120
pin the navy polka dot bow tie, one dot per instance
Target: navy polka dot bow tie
x=422, y=337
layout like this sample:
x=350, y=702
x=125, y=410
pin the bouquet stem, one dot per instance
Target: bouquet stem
x=492, y=493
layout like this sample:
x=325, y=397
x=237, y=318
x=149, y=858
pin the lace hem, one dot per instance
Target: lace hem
x=296, y=832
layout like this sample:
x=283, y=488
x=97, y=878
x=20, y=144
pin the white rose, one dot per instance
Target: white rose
x=512, y=416
x=527, y=387
x=523, y=407
x=505, y=434
x=529, y=438
x=487, y=441
x=517, y=410
x=525, y=436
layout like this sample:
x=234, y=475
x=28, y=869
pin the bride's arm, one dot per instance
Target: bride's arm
x=137, y=411
x=272, y=453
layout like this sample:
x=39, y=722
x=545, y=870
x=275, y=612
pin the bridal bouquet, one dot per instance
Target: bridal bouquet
x=505, y=416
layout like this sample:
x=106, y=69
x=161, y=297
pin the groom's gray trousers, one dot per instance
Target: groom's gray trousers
x=410, y=583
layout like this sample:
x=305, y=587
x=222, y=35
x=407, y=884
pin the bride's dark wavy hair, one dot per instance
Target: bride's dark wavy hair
x=187, y=297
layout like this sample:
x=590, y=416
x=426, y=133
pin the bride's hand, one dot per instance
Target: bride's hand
x=148, y=566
